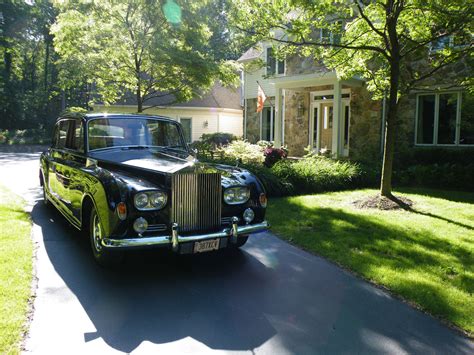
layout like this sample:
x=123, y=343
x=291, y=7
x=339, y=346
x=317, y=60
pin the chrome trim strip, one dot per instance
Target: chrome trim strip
x=167, y=240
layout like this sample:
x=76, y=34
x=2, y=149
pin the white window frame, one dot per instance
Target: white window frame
x=276, y=64
x=191, y=125
x=457, y=134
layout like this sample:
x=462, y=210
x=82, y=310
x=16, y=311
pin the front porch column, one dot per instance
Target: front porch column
x=337, y=121
x=278, y=118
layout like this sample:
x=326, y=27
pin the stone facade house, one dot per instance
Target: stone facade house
x=308, y=106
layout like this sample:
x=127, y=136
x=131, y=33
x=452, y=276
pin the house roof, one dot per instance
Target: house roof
x=218, y=97
x=252, y=53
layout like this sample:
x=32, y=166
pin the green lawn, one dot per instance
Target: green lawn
x=16, y=252
x=426, y=256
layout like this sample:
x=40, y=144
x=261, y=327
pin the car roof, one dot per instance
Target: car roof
x=89, y=116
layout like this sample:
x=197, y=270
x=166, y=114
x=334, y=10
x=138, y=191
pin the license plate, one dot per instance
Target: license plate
x=206, y=245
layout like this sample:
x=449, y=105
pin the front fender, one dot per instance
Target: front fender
x=102, y=188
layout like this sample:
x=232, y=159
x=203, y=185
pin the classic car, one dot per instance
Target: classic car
x=131, y=181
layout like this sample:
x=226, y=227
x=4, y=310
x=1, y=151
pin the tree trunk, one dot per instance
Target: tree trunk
x=390, y=131
x=139, y=99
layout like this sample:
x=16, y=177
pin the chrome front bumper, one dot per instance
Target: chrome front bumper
x=175, y=239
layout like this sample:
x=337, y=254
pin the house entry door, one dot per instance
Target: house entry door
x=325, y=124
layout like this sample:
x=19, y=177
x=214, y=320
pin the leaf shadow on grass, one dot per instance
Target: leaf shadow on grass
x=427, y=214
x=409, y=208
x=449, y=195
x=367, y=246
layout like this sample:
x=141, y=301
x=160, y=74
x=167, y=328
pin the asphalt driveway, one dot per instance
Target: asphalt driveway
x=269, y=298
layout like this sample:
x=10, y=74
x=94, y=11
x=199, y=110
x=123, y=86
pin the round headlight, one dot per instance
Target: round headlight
x=141, y=200
x=236, y=195
x=249, y=215
x=158, y=199
x=140, y=225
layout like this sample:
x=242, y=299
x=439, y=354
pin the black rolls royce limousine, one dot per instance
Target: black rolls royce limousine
x=131, y=181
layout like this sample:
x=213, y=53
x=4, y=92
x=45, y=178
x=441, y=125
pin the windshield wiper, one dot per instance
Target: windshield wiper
x=176, y=148
x=130, y=147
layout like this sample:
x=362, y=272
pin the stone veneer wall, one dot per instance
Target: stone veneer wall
x=365, y=126
x=405, y=136
x=252, y=124
x=296, y=65
x=296, y=126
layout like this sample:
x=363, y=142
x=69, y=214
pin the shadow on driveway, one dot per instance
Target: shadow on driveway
x=269, y=296
x=160, y=297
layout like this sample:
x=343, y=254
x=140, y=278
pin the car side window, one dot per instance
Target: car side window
x=62, y=134
x=76, y=141
x=54, y=141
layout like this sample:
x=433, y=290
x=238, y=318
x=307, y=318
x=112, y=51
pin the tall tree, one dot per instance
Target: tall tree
x=27, y=83
x=395, y=45
x=149, y=48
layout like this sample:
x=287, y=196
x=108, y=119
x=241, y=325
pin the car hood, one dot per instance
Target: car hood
x=145, y=162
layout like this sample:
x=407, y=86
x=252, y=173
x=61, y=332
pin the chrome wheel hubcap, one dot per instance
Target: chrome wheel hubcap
x=97, y=234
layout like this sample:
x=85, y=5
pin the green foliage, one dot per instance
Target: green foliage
x=364, y=41
x=318, y=174
x=210, y=142
x=25, y=136
x=243, y=151
x=138, y=47
x=447, y=175
x=274, y=186
x=27, y=75
x=423, y=255
x=393, y=44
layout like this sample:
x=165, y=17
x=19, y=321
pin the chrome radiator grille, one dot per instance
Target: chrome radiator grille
x=196, y=201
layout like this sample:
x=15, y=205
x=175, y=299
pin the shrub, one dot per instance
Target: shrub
x=448, y=175
x=209, y=143
x=317, y=174
x=24, y=136
x=274, y=186
x=272, y=155
x=243, y=151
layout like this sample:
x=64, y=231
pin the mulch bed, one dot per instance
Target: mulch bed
x=384, y=203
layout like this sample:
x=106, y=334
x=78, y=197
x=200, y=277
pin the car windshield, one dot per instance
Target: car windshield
x=134, y=132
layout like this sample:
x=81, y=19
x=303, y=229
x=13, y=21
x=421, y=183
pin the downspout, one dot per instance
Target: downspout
x=382, y=134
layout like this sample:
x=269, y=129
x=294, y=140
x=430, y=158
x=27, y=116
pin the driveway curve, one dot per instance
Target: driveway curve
x=268, y=298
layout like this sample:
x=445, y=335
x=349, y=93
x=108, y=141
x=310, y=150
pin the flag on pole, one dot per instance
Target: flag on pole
x=261, y=97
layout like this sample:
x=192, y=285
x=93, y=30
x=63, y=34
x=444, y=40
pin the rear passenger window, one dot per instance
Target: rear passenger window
x=62, y=134
x=78, y=136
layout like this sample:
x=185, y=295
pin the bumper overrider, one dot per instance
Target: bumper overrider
x=231, y=233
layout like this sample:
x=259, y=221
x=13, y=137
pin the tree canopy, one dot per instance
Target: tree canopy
x=395, y=45
x=150, y=49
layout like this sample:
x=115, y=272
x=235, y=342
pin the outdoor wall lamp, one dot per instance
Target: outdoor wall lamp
x=205, y=124
x=301, y=108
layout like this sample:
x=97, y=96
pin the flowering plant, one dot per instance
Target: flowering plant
x=272, y=155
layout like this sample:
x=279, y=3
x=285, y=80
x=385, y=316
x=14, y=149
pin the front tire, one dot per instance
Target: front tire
x=102, y=256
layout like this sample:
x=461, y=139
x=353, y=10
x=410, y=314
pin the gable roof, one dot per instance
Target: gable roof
x=252, y=53
x=218, y=97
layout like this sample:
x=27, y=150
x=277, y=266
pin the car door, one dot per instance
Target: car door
x=55, y=176
x=75, y=162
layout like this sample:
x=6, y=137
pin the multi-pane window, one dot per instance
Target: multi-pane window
x=445, y=119
x=274, y=66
